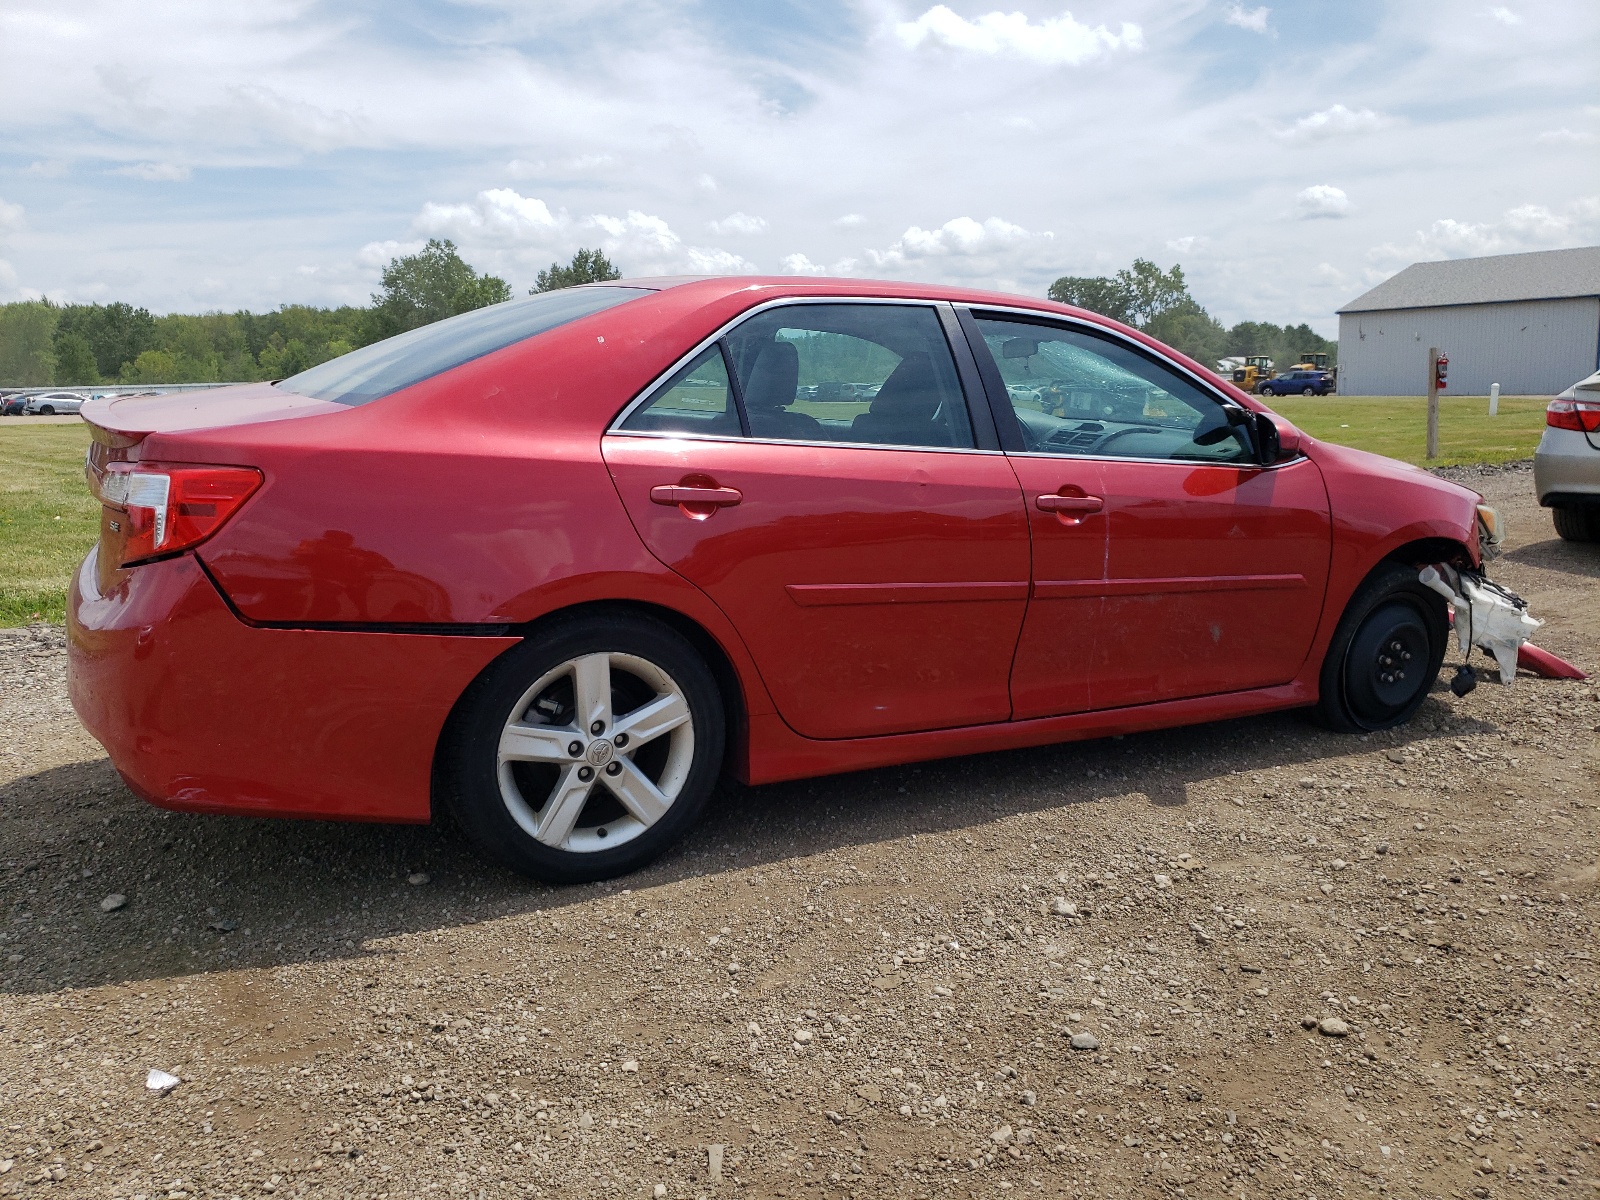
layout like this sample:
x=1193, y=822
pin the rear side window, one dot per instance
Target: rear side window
x=698, y=399
x=375, y=371
x=875, y=374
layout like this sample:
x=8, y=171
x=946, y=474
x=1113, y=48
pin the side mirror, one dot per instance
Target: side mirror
x=1276, y=439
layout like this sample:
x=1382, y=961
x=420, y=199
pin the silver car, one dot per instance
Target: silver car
x=1566, y=467
x=49, y=404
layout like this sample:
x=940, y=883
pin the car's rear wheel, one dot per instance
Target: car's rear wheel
x=584, y=753
x=1577, y=524
x=1385, y=654
x=1308, y=391
x=47, y=410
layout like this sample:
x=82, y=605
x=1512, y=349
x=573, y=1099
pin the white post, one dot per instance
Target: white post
x=1494, y=399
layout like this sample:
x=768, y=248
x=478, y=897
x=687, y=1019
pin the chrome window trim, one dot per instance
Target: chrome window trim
x=764, y=441
x=647, y=393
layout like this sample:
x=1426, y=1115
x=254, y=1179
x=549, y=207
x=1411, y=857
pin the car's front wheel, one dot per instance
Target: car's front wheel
x=1577, y=524
x=47, y=411
x=585, y=752
x=1385, y=654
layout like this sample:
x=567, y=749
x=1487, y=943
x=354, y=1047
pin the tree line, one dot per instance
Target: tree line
x=1158, y=302
x=80, y=345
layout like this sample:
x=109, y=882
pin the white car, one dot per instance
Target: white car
x=49, y=404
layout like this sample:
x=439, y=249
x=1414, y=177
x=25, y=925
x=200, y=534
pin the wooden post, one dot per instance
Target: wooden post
x=1433, y=402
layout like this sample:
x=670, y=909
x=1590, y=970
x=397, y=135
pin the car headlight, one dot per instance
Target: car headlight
x=1491, y=532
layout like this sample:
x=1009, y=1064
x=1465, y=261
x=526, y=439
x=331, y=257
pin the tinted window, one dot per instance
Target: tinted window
x=698, y=399
x=1076, y=392
x=868, y=373
x=377, y=370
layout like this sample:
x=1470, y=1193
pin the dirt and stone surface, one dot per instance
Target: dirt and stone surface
x=1246, y=959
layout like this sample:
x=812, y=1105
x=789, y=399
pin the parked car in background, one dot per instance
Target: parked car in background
x=1299, y=383
x=49, y=404
x=1566, y=466
x=12, y=403
x=524, y=566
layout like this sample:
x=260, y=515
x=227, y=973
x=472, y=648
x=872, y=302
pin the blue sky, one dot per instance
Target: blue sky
x=188, y=156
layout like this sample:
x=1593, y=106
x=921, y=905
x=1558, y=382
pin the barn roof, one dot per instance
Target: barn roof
x=1541, y=275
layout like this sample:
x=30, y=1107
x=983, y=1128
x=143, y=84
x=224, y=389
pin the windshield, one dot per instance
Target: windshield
x=384, y=367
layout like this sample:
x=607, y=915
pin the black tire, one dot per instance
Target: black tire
x=1308, y=391
x=1263, y=390
x=1368, y=681
x=472, y=776
x=47, y=411
x=1577, y=524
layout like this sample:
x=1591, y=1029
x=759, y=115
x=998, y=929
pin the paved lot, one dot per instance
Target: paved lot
x=862, y=986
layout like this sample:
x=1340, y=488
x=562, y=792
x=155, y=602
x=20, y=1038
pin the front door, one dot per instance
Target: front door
x=1168, y=563
x=815, y=473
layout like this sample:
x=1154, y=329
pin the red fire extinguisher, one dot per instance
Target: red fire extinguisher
x=1441, y=369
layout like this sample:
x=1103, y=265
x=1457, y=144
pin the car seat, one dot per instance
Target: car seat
x=906, y=408
x=769, y=391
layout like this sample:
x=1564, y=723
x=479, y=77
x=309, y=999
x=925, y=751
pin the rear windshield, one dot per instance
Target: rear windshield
x=375, y=371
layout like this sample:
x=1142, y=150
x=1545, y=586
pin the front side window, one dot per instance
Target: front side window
x=1080, y=393
x=875, y=374
x=382, y=368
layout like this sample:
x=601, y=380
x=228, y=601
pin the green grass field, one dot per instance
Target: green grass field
x=1398, y=425
x=48, y=521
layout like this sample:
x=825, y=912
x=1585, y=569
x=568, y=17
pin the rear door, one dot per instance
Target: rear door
x=1168, y=562
x=816, y=472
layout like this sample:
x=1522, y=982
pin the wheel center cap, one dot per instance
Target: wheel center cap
x=600, y=752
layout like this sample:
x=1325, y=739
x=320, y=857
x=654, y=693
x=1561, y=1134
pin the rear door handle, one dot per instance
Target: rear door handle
x=677, y=493
x=1069, y=504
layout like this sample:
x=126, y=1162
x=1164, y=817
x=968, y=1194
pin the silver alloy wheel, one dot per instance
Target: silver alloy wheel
x=565, y=750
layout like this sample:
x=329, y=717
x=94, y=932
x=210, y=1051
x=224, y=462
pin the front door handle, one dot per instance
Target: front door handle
x=677, y=493
x=1069, y=505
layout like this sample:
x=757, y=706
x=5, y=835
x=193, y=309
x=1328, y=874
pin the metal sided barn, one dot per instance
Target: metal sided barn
x=1529, y=322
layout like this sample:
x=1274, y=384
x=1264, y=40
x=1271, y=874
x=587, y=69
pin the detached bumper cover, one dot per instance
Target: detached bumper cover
x=201, y=712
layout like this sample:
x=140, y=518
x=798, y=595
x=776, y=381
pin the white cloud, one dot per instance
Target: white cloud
x=645, y=244
x=1188, y=244
x=1322, y=200
x=1255, y=19
x=738, y=222
x=376, y=255
x=498, y=214
x=1505, y=16
x=1526, y=227
x=1053, y=41
x=799, y=264
x=1336, y=121
x=154, y=172
x=11, y=217
x=962, y=248
x=849, y=221
x=47, y=168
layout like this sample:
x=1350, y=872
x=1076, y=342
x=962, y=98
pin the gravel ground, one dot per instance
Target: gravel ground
x=1246, y=959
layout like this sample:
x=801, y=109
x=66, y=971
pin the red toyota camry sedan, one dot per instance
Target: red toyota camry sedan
x=558, y=564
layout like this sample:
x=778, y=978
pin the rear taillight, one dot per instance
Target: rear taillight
x=1582, y=416
x=166, y=508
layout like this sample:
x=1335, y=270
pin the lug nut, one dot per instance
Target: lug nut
x=613, y=767
x=1405, y=656
x=586, y=773
x=620, y=740
x=575, y=749
x=597, y=728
